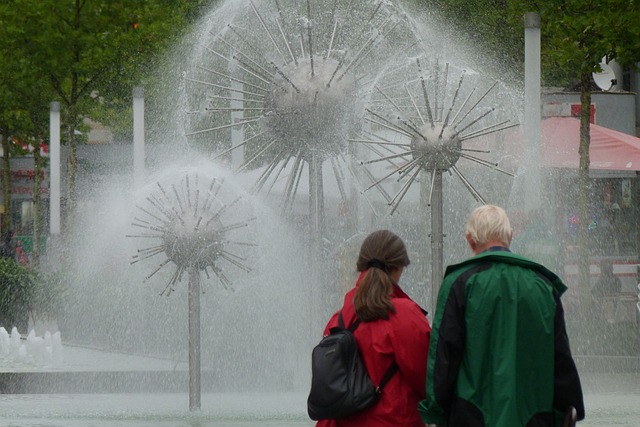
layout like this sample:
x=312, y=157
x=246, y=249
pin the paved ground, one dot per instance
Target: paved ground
x=618, y=409
x=612, y=399
x=83, y=359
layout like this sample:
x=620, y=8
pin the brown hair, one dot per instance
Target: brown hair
x=381, y=253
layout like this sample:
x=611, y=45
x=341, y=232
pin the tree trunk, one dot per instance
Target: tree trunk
x=72, y=167
x=583, y=187
x=37, y=201
x=6, y=185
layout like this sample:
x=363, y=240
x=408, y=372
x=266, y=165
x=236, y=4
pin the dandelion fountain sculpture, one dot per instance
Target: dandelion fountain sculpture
x=420, y=126
x=189, y=225
x=290, y=77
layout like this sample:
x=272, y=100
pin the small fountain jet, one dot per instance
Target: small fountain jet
x=289, y=74
x=418, y=125
x=191, y=225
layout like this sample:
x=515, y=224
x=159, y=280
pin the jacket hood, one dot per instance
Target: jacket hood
x=514, y=259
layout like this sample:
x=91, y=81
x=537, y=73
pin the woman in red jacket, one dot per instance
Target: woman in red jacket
x=393, y=328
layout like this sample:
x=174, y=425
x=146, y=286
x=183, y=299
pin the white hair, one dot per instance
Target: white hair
x=489, y=223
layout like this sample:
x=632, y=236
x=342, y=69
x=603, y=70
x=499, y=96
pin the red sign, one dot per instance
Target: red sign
x=576, y=110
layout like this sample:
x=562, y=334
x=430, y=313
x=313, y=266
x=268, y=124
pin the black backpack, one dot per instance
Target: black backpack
x=340, y=384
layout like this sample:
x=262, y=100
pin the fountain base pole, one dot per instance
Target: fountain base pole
x=194, y=340
x=437, y=238
x=316, y=232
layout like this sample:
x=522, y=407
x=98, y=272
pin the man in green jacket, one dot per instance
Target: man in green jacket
x=499, y=353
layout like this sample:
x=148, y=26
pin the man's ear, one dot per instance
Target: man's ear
x=472, y=244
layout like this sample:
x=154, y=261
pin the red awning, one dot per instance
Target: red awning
x=609, y=149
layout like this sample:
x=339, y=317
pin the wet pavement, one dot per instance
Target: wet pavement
x=611, y=399
x=619, y=408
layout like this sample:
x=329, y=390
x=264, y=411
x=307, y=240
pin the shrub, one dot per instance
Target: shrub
x=25, y=292
x=17, y=290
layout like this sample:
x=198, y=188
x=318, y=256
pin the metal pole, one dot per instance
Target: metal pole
x=54, y=168
x=316, y=202
x=532, y=113
x=319, y=200
x=437, y=238
x=138, y=135
x=194, y=340
x=317, y=291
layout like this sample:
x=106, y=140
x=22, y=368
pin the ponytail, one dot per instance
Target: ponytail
x=372, y=300
x=381, y=253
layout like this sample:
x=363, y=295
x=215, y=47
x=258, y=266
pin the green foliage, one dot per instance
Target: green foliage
x=17, y=291
x=576, y=34
x=25, y=292
x=85, y=54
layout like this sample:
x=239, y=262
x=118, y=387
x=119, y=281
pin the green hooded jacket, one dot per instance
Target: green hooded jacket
x=499, y=354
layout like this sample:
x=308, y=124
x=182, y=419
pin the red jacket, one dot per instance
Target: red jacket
x=403, y=338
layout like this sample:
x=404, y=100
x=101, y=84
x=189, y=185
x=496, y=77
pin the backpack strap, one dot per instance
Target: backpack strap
x=351, y=328
x=387, y=376
x=394, y=365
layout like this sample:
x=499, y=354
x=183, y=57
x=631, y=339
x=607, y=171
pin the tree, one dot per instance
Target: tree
x=23, y=113
x=72, y=51
x=22, y=118
x=82, y=47
x=7, y=103
x=577, y=35
x=34, y=136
